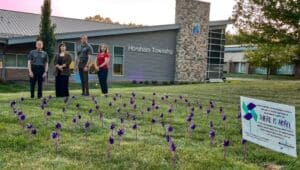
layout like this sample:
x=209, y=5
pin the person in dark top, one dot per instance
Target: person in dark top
x=102, y=61
x=84, y=52
x=62, y=63
x=37, y=67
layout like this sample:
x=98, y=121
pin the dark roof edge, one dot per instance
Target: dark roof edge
x=115, y=31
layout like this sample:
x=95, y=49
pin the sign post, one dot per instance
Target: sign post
x=271, y=125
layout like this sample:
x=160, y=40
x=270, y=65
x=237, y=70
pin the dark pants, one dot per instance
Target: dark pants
x=84, y=77
x=62, y=86
x=102, y=76
x=38, y=72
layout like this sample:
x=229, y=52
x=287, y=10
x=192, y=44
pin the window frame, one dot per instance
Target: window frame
x=113, y=60
x=16, y=61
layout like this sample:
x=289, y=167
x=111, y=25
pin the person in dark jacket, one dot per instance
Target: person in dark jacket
x=62, y=63
x=82, y=65
x=37, y=68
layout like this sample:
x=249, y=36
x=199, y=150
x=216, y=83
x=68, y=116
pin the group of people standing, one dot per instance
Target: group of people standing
x=38, y=67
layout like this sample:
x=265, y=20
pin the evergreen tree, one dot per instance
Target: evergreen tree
x=47, y=29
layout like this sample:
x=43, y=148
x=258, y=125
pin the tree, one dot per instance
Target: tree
x=274, y=22
x=47, y=29
x=270, y=56
x=235, y=39
x=99, y=18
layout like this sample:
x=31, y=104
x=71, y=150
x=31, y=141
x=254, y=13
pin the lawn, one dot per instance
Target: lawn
x=87, y=149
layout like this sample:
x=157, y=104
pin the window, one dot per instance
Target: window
x=22, y=60
x=16, y=60
x=95, y=48
x=10, y=60
x=118, y=61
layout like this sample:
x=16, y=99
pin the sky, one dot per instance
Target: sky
x=146, y=12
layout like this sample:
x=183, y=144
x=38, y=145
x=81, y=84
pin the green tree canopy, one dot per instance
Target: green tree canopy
x=274, y=22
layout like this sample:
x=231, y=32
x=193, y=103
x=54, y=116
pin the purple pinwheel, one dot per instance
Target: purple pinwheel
x=200, y=106
x=13, y=103
x=109, y=146
x=57, y=126
x=170, y=110
x=112, y=127
x=120, y=133
x=29, y=126
x=221, y=109
x=211, y=125
x=249, y=111
x=134, y=127
x=211, y=103
x=208, y=112
x=134, y=117
x=189, y=119
x=78, y=106
x=168, y=138
x=225, y=145
x=48, y=113
x=193, y=126
x=162, y=123
x=172, y=148
x=169, y=129
x=66, y=100
x=152, y=123
x=212, y=137
x=55, y=136
x=148, y=109
x=86, y=125
x=161, y=115
x=33, y=131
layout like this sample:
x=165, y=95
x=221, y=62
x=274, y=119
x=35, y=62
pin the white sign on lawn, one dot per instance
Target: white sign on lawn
x=269, y=124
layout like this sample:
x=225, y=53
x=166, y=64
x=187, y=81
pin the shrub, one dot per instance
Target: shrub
x=146, y=82
x=154, y=82
x=134, y=82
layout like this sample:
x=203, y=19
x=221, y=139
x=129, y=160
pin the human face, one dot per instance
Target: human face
x=39, y=45
x=103, y=48
x=84, y=39
x=62, y=48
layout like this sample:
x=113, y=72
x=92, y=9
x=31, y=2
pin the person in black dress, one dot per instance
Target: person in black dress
x=62, y=63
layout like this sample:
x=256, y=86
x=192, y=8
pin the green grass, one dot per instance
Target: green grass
x=260, y=76
x=19, y=86
x=150, y=151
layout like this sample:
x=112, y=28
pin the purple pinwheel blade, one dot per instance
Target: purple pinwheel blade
x=251, y=106
x=248, y=116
